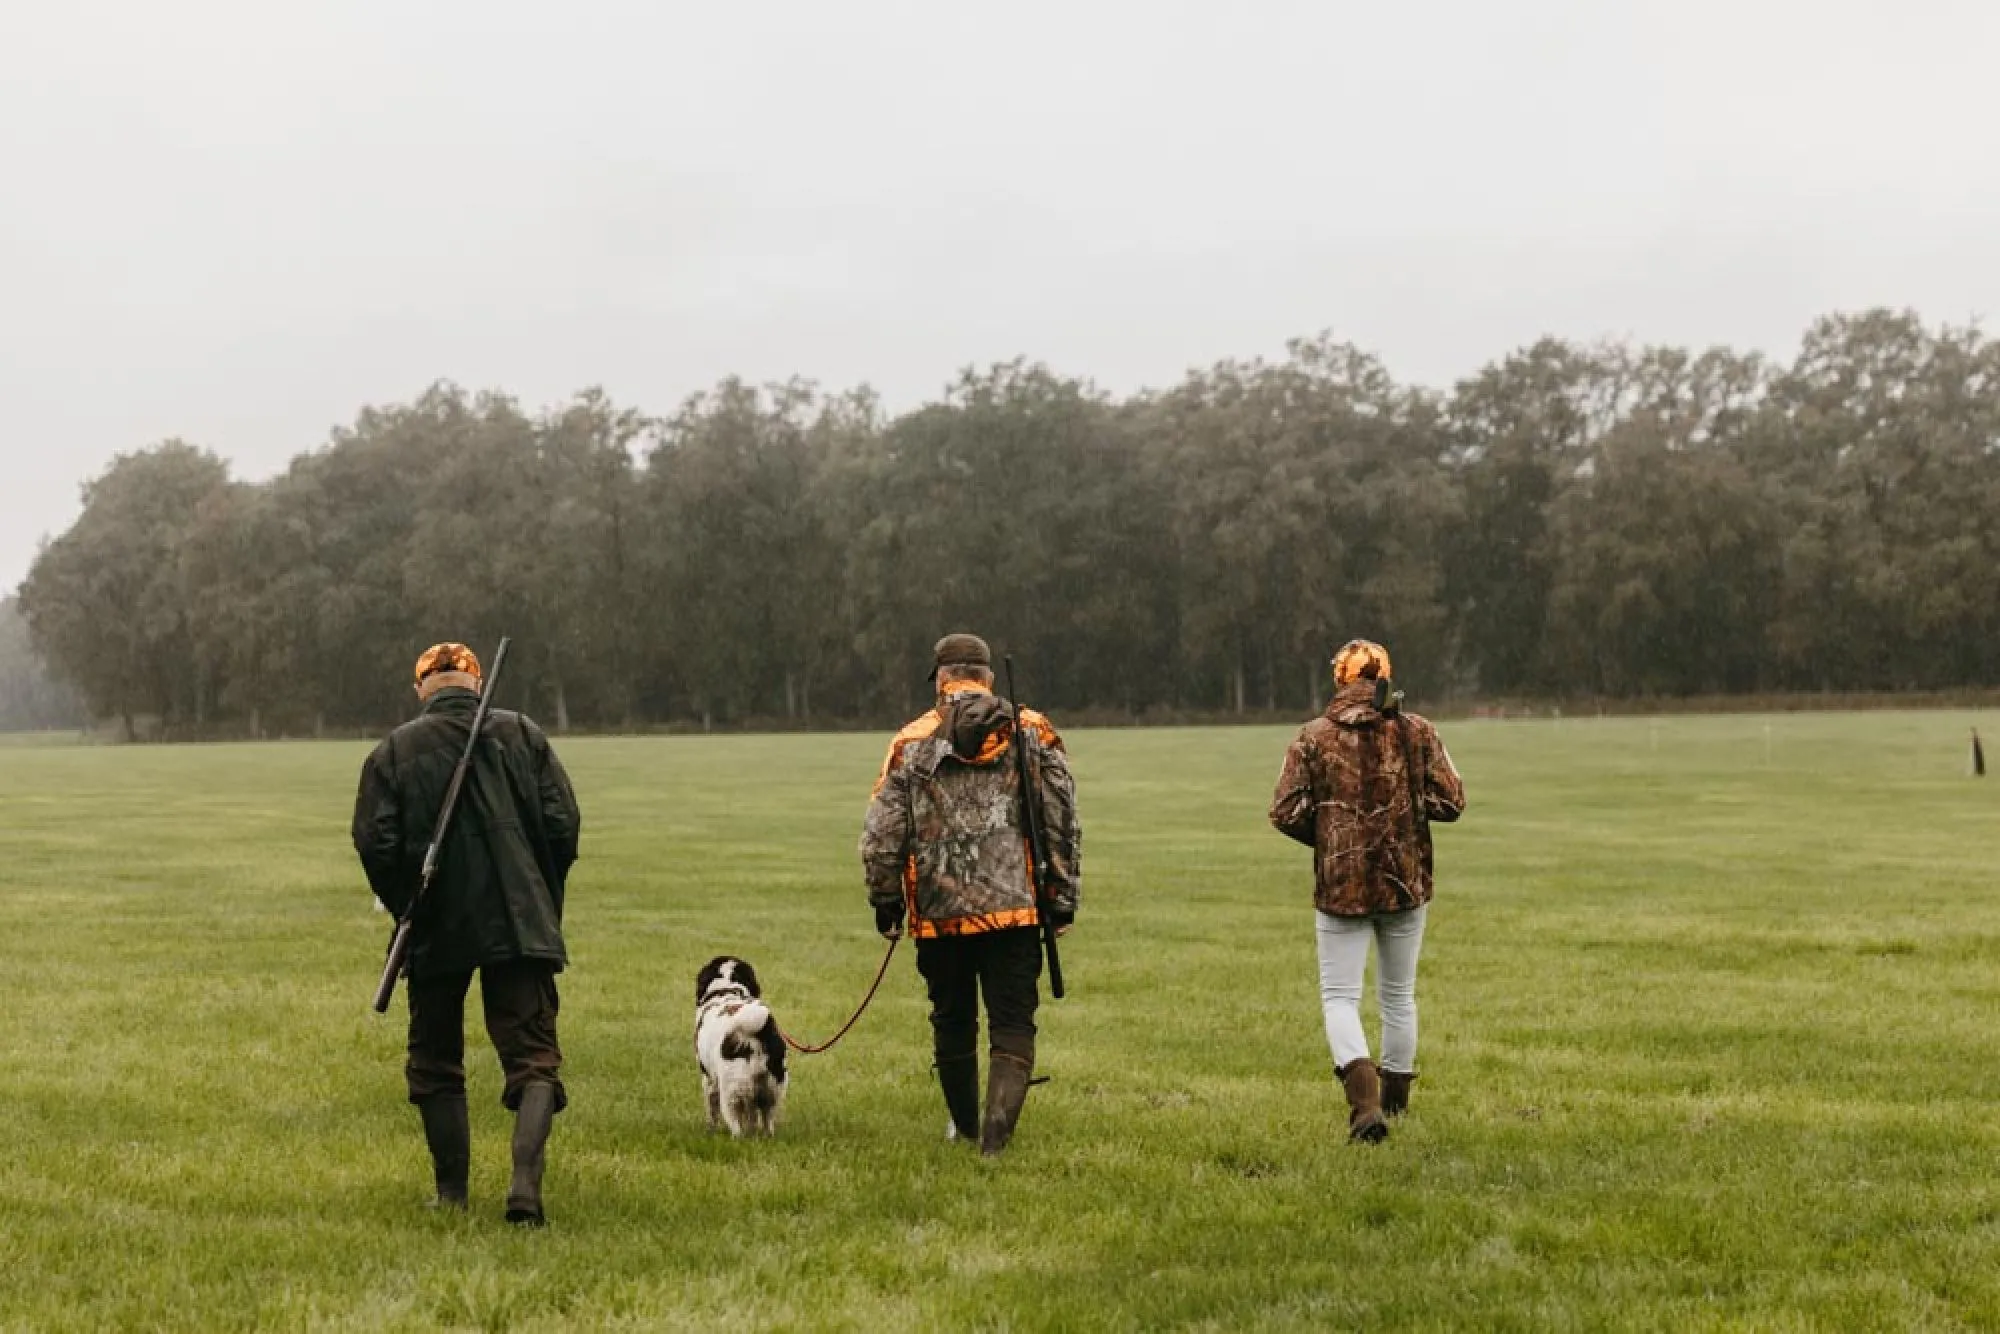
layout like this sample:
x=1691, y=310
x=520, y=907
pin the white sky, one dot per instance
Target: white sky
x=238, y=221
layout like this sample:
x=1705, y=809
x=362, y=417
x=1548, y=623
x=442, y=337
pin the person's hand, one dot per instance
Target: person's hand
x=1061, y=921
x=889, y=922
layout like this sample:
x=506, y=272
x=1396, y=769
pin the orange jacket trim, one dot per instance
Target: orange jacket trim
x=924, y=929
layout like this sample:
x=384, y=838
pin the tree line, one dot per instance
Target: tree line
x=1571, y=521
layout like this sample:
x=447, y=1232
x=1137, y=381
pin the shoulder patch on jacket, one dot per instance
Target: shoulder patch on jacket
x=921, y=728
x=1045, y=731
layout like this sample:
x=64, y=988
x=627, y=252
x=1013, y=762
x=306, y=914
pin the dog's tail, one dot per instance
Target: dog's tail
x=750, y=1020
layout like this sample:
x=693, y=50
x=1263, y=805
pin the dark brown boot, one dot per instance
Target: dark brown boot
x=448, y=1132
x=1364, y=1102
x=958, y=1076
x=1006, y=1090
x=531, y=1136
x=1396, y=1092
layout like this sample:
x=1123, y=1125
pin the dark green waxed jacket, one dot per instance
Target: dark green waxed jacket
x=498, y=891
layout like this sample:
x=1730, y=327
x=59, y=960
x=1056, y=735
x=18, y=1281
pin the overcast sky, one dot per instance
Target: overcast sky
x=238, y=221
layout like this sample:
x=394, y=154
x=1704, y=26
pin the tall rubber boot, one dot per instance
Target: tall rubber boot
x=531, y=1136
x=1364, y=1102
x=448, y=1131
x=1396, y=1092
x=1006, y=1089
x=958, y=1076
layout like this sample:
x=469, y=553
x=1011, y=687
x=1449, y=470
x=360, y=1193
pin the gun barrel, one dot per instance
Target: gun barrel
x=392, y=968
x=1055, y=958
x=1037, y=849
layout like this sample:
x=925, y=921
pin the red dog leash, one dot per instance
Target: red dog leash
x=873, y=987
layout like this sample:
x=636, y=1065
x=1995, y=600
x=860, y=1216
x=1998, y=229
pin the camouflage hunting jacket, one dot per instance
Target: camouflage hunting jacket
x=1348, y=790
x=944, y=835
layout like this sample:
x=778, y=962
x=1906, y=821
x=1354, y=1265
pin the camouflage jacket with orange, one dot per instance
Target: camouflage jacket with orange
x=944, y=835
x=1346, y=792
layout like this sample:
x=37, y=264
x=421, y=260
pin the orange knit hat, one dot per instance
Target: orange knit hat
x=1360, y=659
x=447, y=657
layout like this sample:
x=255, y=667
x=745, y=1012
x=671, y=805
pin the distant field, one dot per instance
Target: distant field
x=38, y=740
x=1711, y=1021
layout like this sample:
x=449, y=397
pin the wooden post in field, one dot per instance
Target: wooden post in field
x=1978, y=756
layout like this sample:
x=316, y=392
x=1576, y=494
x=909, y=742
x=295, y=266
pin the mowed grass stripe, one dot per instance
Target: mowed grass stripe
x=1708, y=1027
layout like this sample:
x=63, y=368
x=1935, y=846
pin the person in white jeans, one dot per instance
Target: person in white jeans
x=1361, y=787
x=1343, y=958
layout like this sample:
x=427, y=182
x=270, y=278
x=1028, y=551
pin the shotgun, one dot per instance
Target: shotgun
x=399, y=944
x=1389, y=703
x=1031, y=821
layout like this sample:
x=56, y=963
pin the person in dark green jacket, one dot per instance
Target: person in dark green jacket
x=495, y=906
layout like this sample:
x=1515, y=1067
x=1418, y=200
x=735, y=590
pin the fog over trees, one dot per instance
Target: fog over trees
x=1573, y=522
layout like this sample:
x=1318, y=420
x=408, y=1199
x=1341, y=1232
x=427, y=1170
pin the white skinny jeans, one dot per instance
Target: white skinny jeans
x=1343, y=958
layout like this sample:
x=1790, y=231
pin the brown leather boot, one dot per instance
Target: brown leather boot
x=1006, y=1090
x=1396, y=1092
x=1364, y=1101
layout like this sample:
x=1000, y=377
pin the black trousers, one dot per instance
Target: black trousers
x=1003, y=966
x=519, y=998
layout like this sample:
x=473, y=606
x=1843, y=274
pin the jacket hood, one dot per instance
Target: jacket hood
x=978, y=725
x=1354, y=705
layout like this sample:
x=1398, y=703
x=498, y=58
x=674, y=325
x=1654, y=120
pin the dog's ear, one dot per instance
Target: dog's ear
x=709, y=972
x=747, y=976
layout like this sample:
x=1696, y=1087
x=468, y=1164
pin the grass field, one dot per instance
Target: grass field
x=1709, y=1041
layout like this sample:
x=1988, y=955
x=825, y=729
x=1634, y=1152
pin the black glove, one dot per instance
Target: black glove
x=889, y=919
x=1060, y=919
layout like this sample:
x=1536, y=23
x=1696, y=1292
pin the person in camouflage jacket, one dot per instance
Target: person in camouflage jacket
x=944, y=849
x=1361, y=786
x=495, y=906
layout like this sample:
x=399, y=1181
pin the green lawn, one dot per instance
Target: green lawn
x=1709, y=1041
